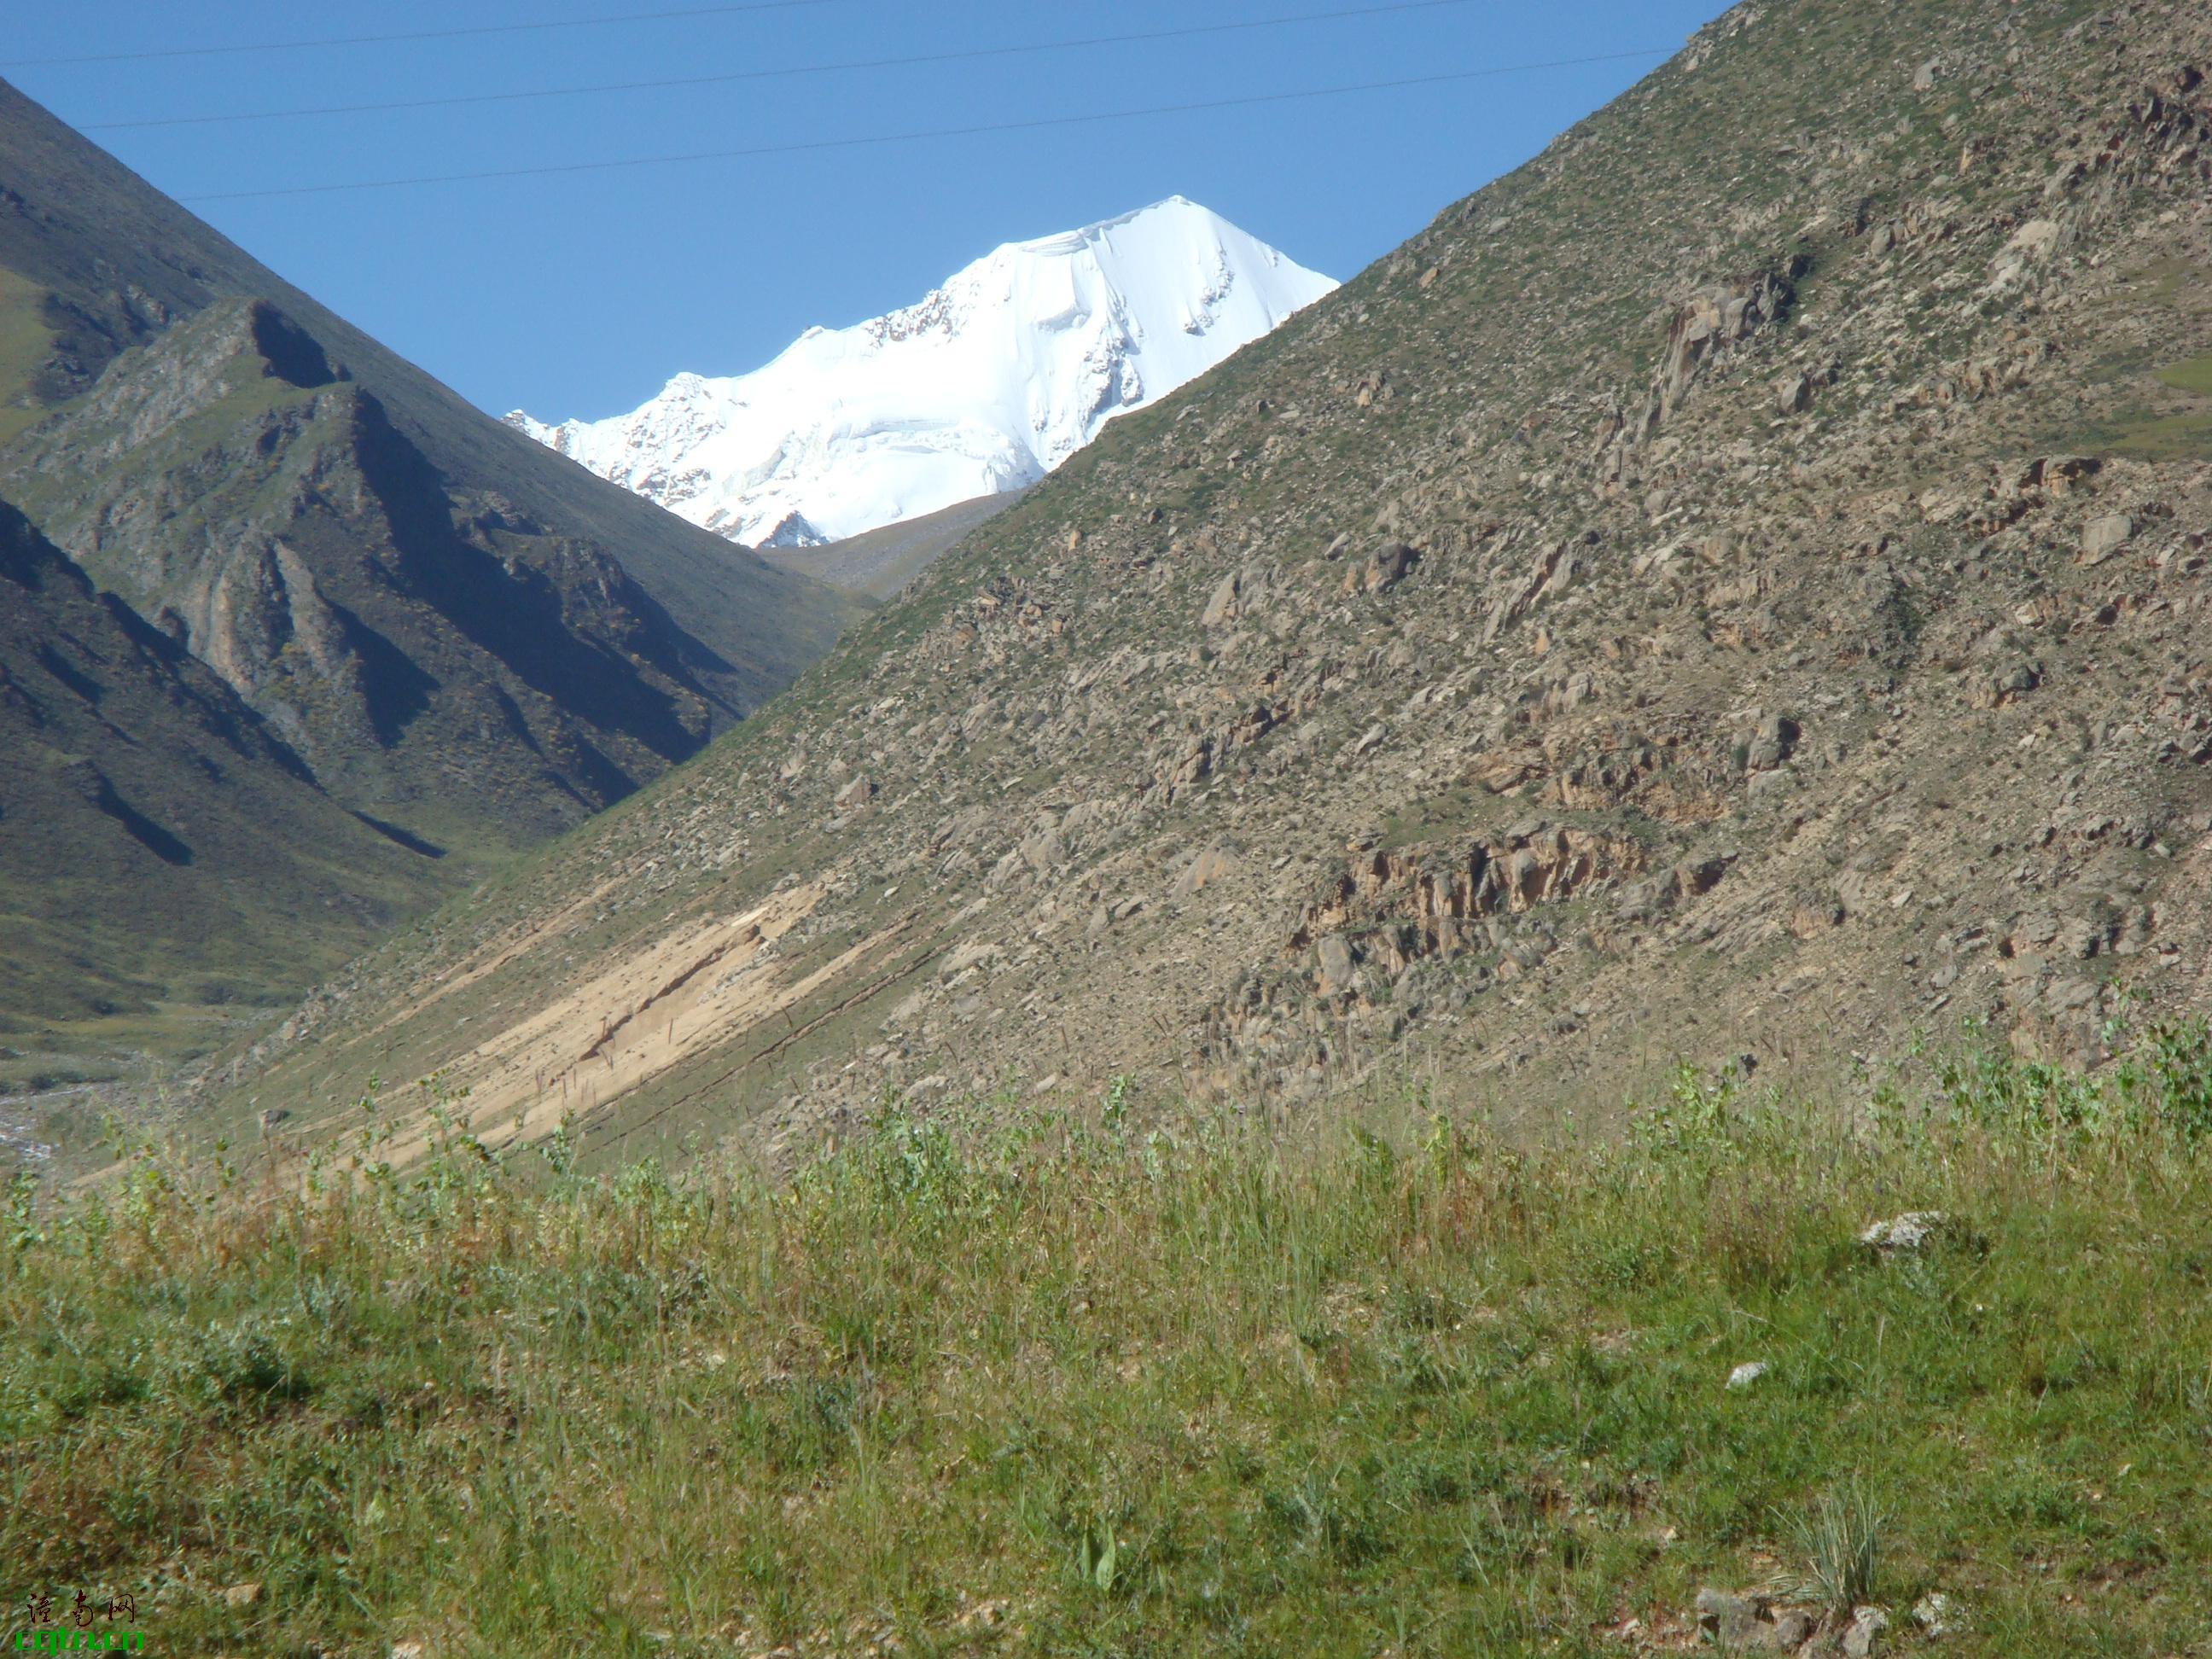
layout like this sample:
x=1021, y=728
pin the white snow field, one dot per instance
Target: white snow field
x=988, y=384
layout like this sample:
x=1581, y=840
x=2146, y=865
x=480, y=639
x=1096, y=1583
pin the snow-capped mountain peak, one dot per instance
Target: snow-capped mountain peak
x=986, y=384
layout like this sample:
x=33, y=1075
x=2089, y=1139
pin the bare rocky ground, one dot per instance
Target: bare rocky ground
x=1734, y=587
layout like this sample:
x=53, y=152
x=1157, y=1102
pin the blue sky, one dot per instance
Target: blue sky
x=580, y=293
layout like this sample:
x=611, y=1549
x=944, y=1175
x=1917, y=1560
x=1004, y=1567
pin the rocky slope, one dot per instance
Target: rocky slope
x=445, y=628
x=985, y=386
x=1733, y=588
x=137, y=787
x=466, y=672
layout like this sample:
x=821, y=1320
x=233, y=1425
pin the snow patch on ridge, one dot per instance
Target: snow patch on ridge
x=985, y=385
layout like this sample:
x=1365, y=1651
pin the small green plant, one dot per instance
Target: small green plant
x=1098, y=1559
x=1698, y=1112
x=23, y=1210
x=559, y=1149
x=1116, y=1110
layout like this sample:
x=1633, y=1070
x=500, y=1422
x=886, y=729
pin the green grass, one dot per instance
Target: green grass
x=1093, y=1390
x=2193, y=375
x=2179, y=437
x=25, y=343
x=2170, y=434
x=1455, y=810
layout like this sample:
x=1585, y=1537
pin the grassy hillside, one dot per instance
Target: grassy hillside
x=1147, y=1383
x=26, y=342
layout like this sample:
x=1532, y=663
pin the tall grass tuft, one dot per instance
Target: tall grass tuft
x=1839, y=1541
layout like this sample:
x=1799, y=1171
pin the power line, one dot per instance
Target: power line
x=1398, y=6
x=416, y=35
x=755, y=151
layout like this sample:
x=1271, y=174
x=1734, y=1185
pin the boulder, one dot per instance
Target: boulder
x=1043, y=852
x=1334, y=955
x=1938, y=1615
x=1210, y=865
x=1909, y=1231
x=1729, y=1620
x=1222, y=607
x=1774, y=742
x=1864, y=1638
x=1388, y=565
x=1748, y=1622
x=1792, y=1629
x=2059, y=471
x=2103, y=537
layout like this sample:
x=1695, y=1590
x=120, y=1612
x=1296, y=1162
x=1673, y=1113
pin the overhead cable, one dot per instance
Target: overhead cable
x=785, y=72
x=554, y=169
x=416, y=35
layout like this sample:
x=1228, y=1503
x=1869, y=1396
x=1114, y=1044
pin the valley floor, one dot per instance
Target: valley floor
x=1148, y=1385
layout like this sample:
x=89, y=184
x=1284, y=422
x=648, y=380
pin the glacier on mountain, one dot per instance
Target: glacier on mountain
x=986, y=385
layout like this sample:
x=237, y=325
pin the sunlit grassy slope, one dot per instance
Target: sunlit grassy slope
x=1114, y=1388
